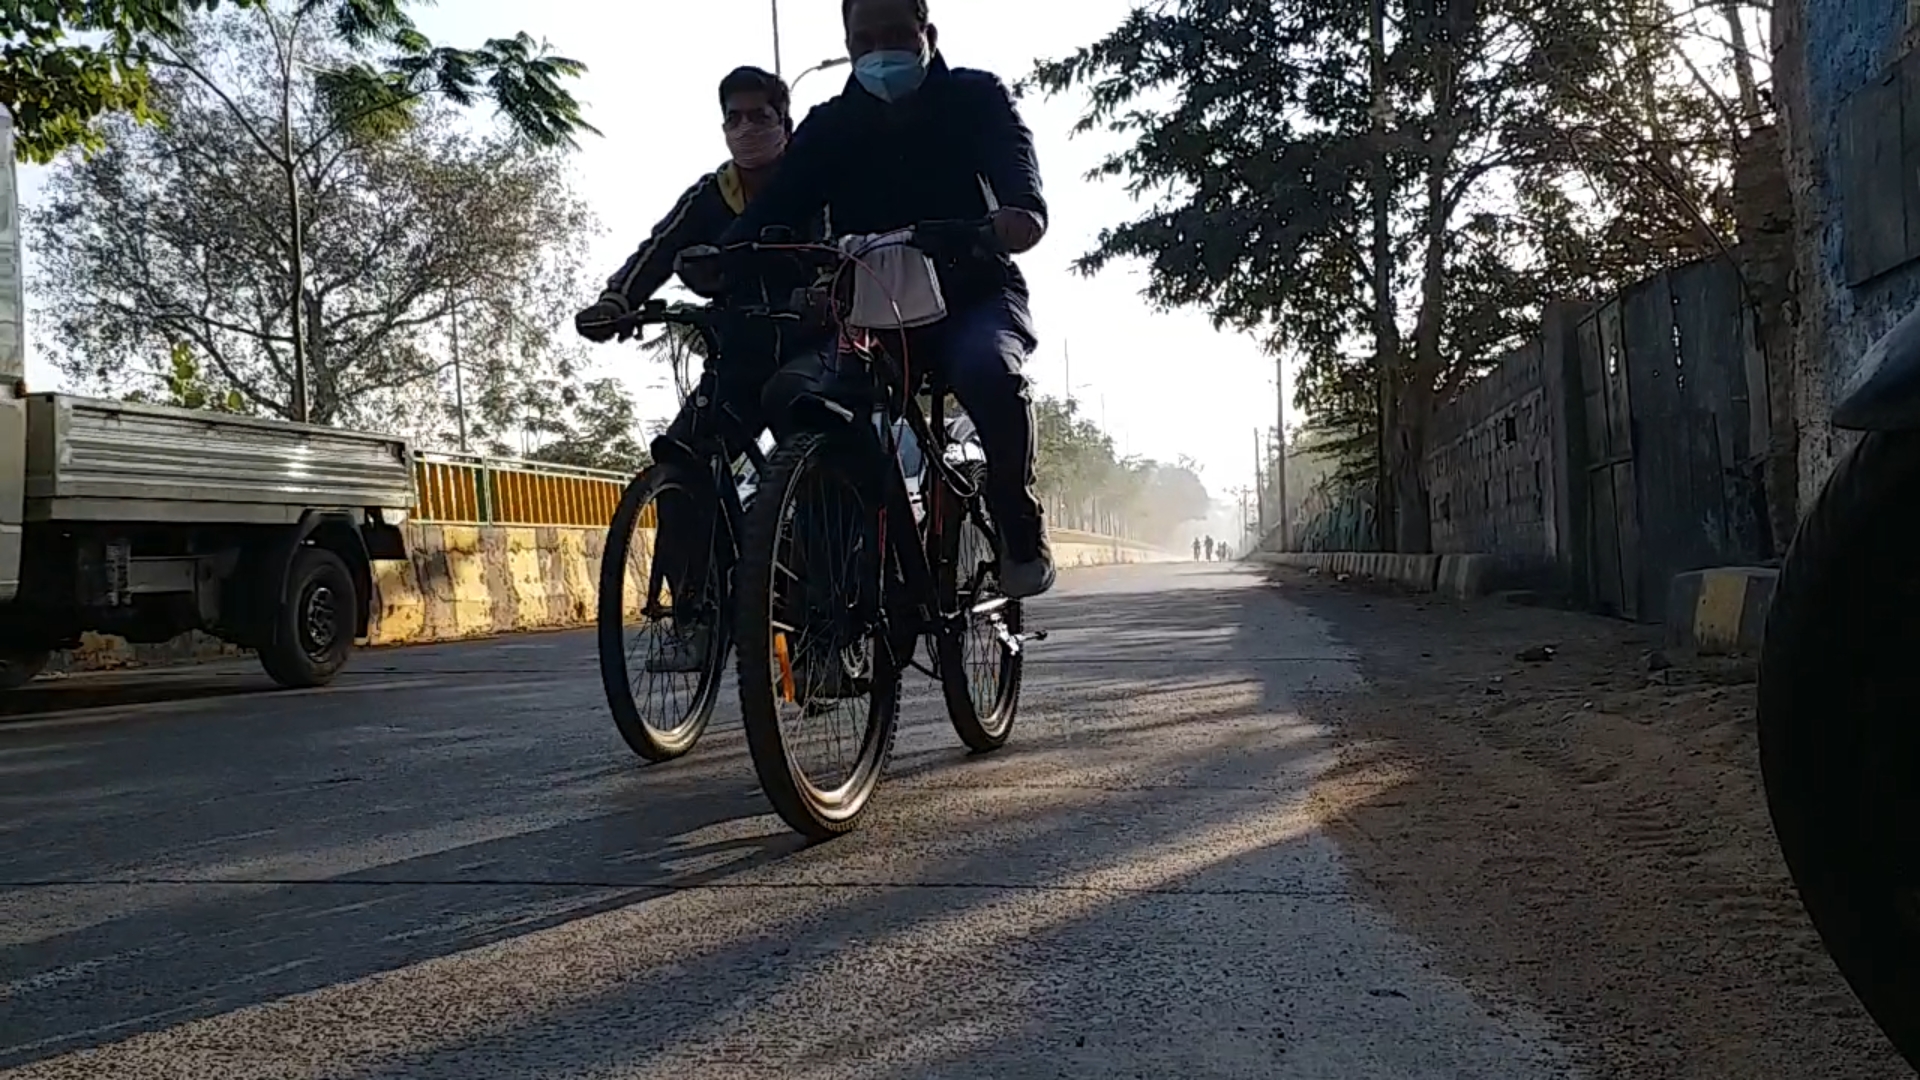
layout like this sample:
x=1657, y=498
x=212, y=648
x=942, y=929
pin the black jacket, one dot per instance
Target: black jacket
x=936, y=155
x=702, y=216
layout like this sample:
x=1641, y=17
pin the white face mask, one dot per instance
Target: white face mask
x=755, y=146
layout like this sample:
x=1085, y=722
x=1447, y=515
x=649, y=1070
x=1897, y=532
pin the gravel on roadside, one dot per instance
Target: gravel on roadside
x=1570, y=815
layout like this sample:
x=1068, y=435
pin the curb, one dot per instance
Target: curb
x=1461, y=576
x=462, y=582
x=1721, y=611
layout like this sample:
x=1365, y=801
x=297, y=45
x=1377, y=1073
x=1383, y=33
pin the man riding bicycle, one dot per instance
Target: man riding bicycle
x=909, y=140
x=757, y=122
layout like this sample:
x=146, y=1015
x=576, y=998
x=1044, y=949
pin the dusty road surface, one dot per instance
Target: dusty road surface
x=1245, y=829
x=448, y=866
x=1586, y=831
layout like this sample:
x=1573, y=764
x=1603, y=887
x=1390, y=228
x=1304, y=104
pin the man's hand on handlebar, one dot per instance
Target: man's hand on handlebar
x=959, y=240
x=603, y=321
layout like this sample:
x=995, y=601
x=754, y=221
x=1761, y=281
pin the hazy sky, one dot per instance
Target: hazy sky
x=1171, y=384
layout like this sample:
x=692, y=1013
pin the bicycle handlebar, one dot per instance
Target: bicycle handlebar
x=699, y=316
x=954, y=238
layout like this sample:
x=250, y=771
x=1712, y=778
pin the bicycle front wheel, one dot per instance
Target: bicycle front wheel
x=819, y=685
x=665, y=624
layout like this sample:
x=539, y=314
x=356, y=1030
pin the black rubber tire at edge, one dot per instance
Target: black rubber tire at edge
x=611, y=637
x=284, y=657
x=1827, y=721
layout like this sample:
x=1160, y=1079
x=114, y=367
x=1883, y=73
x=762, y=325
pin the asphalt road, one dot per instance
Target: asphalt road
x=448, y=865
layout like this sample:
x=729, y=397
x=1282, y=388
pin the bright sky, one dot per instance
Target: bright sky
x=1170, y=383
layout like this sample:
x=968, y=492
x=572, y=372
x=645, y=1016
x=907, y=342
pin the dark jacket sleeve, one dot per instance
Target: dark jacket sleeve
x=699, y=217
x=1006, y=146
x=798, y=191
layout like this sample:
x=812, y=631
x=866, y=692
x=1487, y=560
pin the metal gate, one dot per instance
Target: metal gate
x=1670, y=435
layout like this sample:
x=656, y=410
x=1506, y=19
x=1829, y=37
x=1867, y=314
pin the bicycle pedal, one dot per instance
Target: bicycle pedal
x=1017, y=643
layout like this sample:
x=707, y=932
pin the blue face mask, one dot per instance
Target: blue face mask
x=891, y=74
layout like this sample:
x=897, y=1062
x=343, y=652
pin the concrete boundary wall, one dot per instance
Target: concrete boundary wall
x=1722, y=611
x=472, y=581
x=1461, y=576
x=1071, y=547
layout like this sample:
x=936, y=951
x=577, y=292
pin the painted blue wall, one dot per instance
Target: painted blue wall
x=1849, y=43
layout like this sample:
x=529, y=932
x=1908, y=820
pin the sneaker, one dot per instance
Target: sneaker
x=681, y=654
x=1023, y=578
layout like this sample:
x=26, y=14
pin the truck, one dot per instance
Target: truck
x=147, y=521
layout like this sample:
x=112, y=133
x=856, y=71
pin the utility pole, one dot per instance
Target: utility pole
x=776, y=37
x=459, y=388
x=1260, y=476
x=1280, y=453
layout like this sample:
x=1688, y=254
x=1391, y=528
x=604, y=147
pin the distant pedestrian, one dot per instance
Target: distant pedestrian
x=1196, y=549
x=1209, y=549
x=1224, y=556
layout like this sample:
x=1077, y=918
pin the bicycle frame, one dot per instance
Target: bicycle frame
x=914, y=549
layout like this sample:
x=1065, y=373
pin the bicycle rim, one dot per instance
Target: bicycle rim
x=662, y=713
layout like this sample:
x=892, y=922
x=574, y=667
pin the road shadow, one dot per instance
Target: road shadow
x=49, y=697
x=706, y=933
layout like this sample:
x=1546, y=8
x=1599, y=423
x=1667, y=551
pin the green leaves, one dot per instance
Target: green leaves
x=1086, y=486
x=59, y=81
x=1524, y=151
x=187, y=387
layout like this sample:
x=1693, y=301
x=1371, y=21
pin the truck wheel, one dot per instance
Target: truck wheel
x=313, y=625
x=17, y=669
x=1838, y=748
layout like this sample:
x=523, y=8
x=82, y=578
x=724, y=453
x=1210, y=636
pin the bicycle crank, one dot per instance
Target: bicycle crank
x=1015, y=642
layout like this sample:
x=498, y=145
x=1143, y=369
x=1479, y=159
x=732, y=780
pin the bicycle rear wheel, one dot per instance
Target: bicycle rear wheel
x=819, y=686
x=661, y=679
x=980, y=666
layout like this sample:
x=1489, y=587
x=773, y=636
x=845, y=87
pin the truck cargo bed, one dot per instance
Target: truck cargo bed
x=94, y=460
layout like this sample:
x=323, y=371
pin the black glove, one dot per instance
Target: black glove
x=601, y=321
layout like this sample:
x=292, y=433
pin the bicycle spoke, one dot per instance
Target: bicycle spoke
x=817, y=565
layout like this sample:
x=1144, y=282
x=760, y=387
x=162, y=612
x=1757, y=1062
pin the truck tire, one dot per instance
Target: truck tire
x=17, y=669
x=313, y=625
x=1838, y=747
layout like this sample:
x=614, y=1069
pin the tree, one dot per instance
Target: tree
x=186, y=388
x=178, y=234
x=368, y=65
x=1085, y=486
x=67, y=64
x=599, y=429
x=1340, y=180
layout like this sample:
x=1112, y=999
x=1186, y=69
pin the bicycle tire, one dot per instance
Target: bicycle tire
x=982, y=733
x=1836, y=697
x=815, y=814
x=649, y=742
